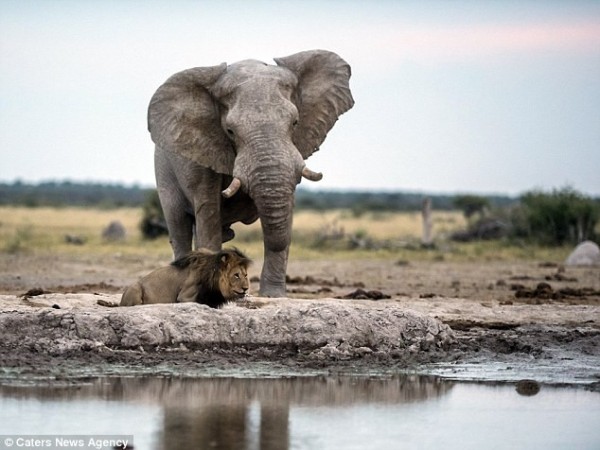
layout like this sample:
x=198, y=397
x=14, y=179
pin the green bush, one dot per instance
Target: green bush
x=563, y=216
x=153, y=222
x=471, y=205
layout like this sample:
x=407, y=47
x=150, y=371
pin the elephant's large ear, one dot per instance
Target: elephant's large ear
x=323, y=94
x=184, y=118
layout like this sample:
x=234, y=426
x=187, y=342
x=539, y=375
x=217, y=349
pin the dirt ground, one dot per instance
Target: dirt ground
x=510, y=320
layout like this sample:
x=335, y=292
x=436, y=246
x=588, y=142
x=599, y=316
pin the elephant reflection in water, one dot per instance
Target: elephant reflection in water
x=234, y=413
x=226, y=427
x=224, y=413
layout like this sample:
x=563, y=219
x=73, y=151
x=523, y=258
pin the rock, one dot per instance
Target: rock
x=361, y=294
x=115, y=231
x=586, y=253
x=485, y=229
x=528, y=387
x=33, y=292
x=546, y=292
x=318, y=329
x=74, y=239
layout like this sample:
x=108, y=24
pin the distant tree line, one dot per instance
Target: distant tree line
x=387, y=201
x=559, y=217
x=67, y=193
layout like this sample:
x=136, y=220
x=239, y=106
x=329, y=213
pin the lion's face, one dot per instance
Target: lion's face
x=233, y=282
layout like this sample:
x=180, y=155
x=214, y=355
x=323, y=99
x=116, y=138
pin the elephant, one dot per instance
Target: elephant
x=230, y=144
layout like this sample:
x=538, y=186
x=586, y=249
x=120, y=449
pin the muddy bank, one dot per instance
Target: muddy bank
x=307, y=333
x=508, y=320
x=70, y=335
x=548, y=354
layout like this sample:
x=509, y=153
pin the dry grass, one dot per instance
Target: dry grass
x=405, y=225
x=69, y=218
x=381, y=226
x=43, y=230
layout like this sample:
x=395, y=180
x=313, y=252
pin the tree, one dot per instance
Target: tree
x=471, y=205
x=563, y=216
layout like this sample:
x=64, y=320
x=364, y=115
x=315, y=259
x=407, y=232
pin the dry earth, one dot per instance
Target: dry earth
x=476, y=320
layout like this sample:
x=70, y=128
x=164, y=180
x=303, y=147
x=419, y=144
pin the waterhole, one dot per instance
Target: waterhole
x=412, y=412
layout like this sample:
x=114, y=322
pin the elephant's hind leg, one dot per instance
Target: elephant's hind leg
x=181, y=232
x=180, y=223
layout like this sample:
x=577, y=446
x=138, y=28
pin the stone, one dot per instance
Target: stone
x=587, y=253
x=115, y=231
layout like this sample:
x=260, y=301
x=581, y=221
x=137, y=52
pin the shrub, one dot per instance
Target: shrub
x=153, y=222
x=564, y=216
x=471, y=205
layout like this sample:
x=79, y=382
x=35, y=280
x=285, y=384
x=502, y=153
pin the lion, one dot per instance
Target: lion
x=202, y=276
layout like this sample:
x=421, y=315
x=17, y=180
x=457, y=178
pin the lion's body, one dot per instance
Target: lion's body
x=202, y=276
x=160, y=286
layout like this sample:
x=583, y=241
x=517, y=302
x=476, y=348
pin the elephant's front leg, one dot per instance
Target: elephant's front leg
x=272, y=277
x=207, y=211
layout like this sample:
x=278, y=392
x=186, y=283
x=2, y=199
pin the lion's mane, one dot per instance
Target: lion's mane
x=216, y=274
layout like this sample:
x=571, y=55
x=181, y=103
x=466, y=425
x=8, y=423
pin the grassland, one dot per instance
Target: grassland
x=43, y=230
x=331, y=235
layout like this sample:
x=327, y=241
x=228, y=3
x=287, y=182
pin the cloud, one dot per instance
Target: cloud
x=442, y=44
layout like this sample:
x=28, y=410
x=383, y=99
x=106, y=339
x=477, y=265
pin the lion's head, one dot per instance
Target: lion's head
x=233, y=273
x=221, y=276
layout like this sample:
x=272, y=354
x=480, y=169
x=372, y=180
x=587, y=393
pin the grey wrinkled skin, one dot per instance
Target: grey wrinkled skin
x=250, y=121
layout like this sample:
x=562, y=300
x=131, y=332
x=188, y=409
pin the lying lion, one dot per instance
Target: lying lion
x=201, y=276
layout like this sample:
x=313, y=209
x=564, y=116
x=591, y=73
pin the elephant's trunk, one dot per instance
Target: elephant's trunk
x=274, y=199
x=277, y=235
x=269, y=171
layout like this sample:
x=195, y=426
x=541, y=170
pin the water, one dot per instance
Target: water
x=411, y=412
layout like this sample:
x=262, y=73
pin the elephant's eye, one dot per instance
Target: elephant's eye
x=230, y=133
x=295, y=122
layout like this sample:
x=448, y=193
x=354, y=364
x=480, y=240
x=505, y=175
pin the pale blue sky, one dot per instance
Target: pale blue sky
x=455, y=96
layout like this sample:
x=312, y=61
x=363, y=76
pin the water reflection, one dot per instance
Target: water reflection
x=327, y=413
x=230, y=413
x=528, y=387
x=243, y=414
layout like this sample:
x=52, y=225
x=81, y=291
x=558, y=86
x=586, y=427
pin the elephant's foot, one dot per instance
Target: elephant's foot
x=273, y=275
x=273, y=291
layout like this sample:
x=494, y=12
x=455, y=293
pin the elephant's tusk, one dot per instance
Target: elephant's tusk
x=233, y=187
x=310, y=175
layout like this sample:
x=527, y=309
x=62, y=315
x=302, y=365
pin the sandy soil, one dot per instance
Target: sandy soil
x=508, y=320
